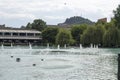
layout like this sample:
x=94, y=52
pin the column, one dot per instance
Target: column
x=26, y=34
x=3, y=34
x=34, y=34
x=11, y=34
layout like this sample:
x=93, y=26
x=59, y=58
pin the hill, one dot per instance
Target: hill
x=76, y=20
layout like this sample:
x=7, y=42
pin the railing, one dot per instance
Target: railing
x=20, y=37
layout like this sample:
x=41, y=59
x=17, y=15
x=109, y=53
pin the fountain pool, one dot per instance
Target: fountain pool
x=58, y=64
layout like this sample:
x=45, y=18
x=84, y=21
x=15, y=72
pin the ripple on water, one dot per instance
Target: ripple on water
x=58, y=60
x=0, y=75
x=58, y=67
x=57, y=64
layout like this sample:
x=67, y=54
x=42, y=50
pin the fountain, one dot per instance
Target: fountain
x=65, y=46
x=81, y=46
x=47, y=45
x=96, y=46
x=11, y=45
x=91, y=45
x=2, y=46
x=58, y=46
x=30, y=46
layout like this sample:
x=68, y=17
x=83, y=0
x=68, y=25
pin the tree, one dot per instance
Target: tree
x=117, y=16
x=29, y=26
x=63, y=37
x=37, y=24
x=49, y=35
x=77, y=31
x=109, y=24
x=111, y=38
x=22, y=27
x=93, y=35
x=88, y=36
x=98, y=34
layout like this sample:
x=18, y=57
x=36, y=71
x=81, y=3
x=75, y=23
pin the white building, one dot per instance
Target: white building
x=13, y=35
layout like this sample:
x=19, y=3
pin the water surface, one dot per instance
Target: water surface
x=69, y=64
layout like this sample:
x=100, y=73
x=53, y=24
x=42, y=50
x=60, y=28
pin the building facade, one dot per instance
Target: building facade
x=20, y=36
x=102, y=20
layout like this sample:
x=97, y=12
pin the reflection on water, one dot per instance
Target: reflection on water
x=100, y=64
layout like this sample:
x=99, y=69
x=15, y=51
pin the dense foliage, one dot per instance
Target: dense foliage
x=93, y=35
x=77, y=31
x=49, y=35
x=37, y=24
x=63, y=37
x=104, y=34
x=117, y=17
x=111, y=37
x=88, y=36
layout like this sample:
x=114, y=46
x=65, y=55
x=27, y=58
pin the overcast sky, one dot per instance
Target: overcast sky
x=19, y=12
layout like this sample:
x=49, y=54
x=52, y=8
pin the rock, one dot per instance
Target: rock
x=17, y=59
x=34, y=64
x=11, y=56
x=42, y=59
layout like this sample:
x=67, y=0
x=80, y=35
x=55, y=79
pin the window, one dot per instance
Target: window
x=15, y=34
x=37, y=34
x=7, y=34
x=1, y=33
x=30, y=34
x=22, y=34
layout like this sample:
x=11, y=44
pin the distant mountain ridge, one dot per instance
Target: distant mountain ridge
x=76, y=20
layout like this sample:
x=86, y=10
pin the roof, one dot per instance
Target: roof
x=19, y=31
x=103, y=19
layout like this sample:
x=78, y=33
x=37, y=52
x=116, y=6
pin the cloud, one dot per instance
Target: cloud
x=54, y=11
x=54, y=17
x=16, y=16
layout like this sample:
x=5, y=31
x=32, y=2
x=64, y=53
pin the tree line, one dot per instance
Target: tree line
x=103, y=34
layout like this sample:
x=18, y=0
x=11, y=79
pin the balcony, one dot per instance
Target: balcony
x=20, y=36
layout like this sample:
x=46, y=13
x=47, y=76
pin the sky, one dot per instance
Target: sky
x=15, y=13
